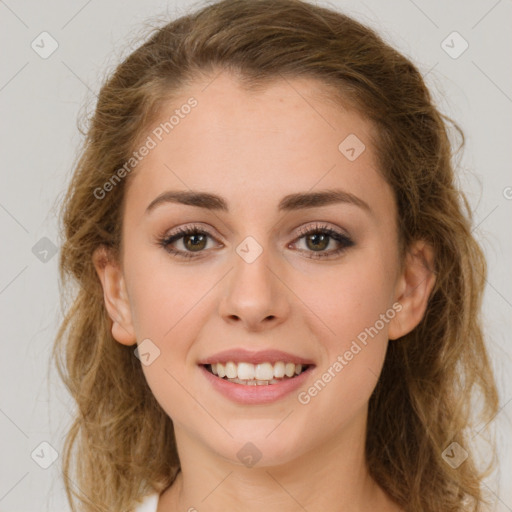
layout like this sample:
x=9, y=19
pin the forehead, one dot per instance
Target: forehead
x=289, y=136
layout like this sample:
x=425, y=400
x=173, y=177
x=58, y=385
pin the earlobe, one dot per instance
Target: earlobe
x=413, y=289
x=115, y=296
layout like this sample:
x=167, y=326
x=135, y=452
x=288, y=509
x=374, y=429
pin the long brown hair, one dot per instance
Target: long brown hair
x=121, y=445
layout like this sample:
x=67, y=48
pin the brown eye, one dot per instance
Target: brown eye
x=193, y=240
x=317, y=241
x=318, y=238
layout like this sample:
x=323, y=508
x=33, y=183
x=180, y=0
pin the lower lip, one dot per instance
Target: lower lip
x=252, y=395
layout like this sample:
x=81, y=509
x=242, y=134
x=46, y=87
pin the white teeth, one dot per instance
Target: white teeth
x=231, y=371
x=259, y=374
x=289, y=369
x=279, y=370
x=246, y=371
x=254, y=382
x=264, y=371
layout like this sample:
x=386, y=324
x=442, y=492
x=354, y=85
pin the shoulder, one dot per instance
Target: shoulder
x=149, y=504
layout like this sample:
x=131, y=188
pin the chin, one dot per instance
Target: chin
x=258, y=445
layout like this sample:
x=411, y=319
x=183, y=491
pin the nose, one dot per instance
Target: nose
x=255, y=295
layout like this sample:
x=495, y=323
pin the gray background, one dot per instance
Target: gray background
x=40, y=101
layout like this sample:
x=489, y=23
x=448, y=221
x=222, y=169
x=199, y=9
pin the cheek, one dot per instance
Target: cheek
x=163, y=294
x=350, y=298
x=166, y=304
x=352, y=312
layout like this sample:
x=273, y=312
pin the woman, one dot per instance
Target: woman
x=278, y=287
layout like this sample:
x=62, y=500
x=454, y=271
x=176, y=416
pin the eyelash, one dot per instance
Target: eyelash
x=341, y=238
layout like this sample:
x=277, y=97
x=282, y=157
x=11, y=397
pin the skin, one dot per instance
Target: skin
x=253, y=149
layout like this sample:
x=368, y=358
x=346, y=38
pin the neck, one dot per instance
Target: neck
x=330, y=477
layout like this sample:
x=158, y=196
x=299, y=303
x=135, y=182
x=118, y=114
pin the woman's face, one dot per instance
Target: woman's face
x=251, y=279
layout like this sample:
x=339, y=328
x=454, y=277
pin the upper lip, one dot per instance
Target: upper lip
x=239, y=355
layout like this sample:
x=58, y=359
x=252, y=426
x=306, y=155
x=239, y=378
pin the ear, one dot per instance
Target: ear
x=413, y=289
x=115, y=296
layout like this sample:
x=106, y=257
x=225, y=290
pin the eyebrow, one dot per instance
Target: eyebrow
x=290, y=202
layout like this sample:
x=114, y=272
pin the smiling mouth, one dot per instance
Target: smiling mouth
x=262, y=374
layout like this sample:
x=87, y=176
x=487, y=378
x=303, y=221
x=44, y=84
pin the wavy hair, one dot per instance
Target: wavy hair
x=121, y=446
